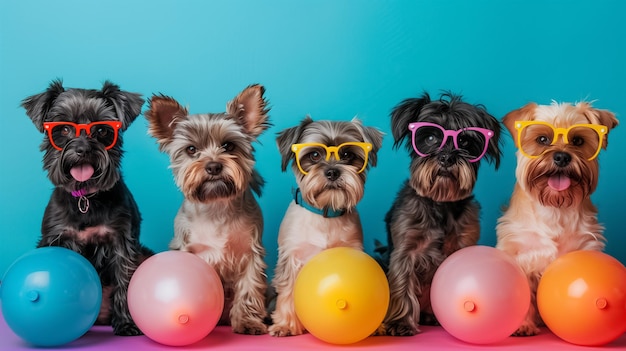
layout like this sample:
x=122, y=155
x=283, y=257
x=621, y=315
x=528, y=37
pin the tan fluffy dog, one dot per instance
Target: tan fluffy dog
x=550, y=212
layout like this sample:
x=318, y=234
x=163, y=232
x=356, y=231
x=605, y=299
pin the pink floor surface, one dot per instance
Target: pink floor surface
x=101, y=338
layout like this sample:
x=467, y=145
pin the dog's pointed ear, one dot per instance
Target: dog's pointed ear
x=250, y=109
x=38, y=105
x=290, y=136
x=404, y=113
x=525, y=113
x=162, y=115
x=598, y=116
x=373, y=136
x=127, y=105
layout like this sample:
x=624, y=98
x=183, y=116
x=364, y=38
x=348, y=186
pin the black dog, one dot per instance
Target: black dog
x=91, y=210
x=435, y=213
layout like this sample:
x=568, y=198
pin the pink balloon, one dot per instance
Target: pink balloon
x=175, y=298
x=480, y=295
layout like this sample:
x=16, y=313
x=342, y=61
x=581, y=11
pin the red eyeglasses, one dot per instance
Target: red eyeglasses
x=61, y=133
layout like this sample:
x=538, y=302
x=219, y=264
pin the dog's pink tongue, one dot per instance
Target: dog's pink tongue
x=559, y=182
x=82, y=172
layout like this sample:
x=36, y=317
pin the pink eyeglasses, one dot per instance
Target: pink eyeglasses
x=430, y=137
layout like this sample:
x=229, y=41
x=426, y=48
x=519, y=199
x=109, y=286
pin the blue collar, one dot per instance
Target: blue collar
x=326, y=212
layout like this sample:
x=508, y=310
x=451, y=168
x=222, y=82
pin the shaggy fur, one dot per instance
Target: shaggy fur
x=543, y=223
x=434, y=213
x=102, y=223
x=212, y=159
x=333, y=185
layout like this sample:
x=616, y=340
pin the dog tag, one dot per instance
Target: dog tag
x=83, y=204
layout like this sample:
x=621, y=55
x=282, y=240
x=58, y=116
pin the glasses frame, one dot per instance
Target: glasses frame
x=116, y=125
x=602, y=130
x=297, y=149
x=487, y=133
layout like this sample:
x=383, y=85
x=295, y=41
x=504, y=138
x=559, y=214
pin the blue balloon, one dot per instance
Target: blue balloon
x=50, y=296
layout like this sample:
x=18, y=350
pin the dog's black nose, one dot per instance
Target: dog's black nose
x=446, y=160
x=80, y=150
x=81, y=147
x=332, y=174
x=213, y=168
x=561, y=159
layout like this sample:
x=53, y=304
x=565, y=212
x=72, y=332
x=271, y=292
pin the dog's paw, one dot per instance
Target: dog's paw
x=250, y=328
x=527, y=330
x=380, y=331
x=126, y=329
x=401, y=328
x=281, y=330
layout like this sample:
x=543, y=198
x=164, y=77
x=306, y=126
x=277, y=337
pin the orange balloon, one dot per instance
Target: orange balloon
x=582, y=298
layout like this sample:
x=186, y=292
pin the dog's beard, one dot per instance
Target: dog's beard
x=105, y=165
x=319, y=191
x=442, y=184
x=582, y=177
x=196, y=184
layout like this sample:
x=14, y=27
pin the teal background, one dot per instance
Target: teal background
x=331, y=59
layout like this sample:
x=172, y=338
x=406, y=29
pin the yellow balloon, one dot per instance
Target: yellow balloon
x=341, y=295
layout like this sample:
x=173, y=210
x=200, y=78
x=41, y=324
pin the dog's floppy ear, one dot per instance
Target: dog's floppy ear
x=163, y=114
x=597, y=116
x=257, y=182
x=290, y=136
x=404, y=113
x=608, y=119
x=371, y=135
x=127, y=105
x=525, y=113
x=494, y=152
x=37, y=106
x=250, y=109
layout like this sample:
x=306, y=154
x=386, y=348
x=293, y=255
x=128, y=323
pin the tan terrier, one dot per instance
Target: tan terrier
x=550, y=212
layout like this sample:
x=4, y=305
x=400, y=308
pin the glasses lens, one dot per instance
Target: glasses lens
x=536, y=138
x=471, y=142
x=309, y=156
x=354, y=155
x=584, y=140
x=427, y=139
x=61, y=134
x=104, y=133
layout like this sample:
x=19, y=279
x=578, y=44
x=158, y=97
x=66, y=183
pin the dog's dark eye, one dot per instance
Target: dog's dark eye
x=191, y=150
x=577, y=141
x=315, y=156
x=228, y=146
x=102, y=132
x=463, y=142
x=431, y=140
x=543, y=140
x=347, y=156
x=65, y=131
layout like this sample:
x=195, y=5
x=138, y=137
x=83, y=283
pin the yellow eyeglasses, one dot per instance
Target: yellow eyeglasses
x=535, y=137
x=352, y=153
